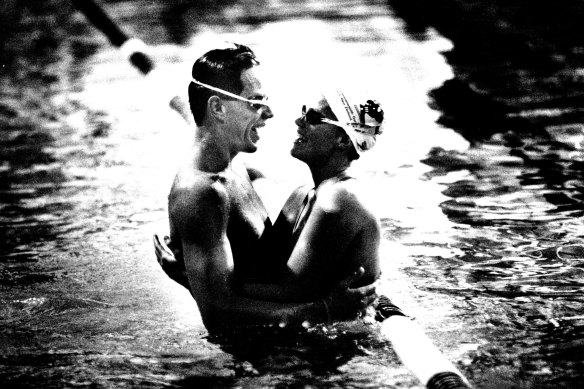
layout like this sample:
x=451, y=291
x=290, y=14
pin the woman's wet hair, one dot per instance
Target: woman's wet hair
x=220, y=68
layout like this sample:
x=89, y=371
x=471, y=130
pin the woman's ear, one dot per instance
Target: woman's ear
x=343, y=140
x=215, y=108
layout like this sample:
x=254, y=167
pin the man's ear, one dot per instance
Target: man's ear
x=216, y=108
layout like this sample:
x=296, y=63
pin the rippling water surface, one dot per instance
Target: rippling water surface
x=483, y=239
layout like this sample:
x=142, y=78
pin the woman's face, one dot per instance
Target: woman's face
x=316, y=140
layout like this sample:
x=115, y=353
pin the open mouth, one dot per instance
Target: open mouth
x=255, y=133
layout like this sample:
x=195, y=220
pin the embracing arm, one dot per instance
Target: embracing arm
x=170, y=257
x=209, y=268
x=343, y=296
x=172, y=263
x=340, y=235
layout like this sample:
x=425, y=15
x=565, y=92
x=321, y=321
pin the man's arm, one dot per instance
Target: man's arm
x=202, y=224
x=342, y=296
x=340, y=299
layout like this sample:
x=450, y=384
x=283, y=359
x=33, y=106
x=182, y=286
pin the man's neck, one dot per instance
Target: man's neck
x=211, y=151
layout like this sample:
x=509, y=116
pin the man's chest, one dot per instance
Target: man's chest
x=248, y=218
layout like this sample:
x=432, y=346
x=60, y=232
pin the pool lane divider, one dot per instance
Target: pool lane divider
x=411, y=344
x=133, y=48
x=417, y=352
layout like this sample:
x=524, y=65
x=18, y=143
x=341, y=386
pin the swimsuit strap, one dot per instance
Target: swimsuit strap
x=304, y=211
x=308, y=203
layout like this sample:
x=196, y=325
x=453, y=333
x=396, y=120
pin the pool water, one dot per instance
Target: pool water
x=483, y=240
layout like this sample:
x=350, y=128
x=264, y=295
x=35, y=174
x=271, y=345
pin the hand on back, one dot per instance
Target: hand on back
x=173, y=267
x=345, y=303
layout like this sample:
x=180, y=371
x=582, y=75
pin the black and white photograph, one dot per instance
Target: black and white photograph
x=338, y=194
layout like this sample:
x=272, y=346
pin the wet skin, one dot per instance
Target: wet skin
x=341, y=232
x=221, y=223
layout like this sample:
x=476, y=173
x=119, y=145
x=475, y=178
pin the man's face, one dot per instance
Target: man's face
x=244, y=120
x=316, y=141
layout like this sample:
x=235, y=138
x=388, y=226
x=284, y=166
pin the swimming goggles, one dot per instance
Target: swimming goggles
x=255, y=103
x=311, y=116
x=314, y=118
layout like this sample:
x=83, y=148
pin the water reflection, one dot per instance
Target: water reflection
x=41, y=66
x=539, y=180
x=489, y=237
x=183, y=18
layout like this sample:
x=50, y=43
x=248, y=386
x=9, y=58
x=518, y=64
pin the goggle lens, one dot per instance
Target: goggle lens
x=311, y=116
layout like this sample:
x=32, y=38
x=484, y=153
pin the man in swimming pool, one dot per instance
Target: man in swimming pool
x=218, y=224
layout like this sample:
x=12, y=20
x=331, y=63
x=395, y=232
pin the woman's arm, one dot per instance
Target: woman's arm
x=340, y=235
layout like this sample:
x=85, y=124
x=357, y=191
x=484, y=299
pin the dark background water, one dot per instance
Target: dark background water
x=497, y=282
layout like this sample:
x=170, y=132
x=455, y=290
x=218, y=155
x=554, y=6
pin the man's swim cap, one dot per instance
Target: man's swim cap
x=361, y=118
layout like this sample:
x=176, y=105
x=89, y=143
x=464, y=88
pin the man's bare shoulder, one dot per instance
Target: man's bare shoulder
x=193, y=192
x=196, y=183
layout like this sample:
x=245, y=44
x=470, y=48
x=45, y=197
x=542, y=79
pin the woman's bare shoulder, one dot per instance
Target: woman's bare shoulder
x=345, y=196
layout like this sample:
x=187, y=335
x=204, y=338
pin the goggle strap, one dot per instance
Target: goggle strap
x=363, y=128
x=226, y=93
